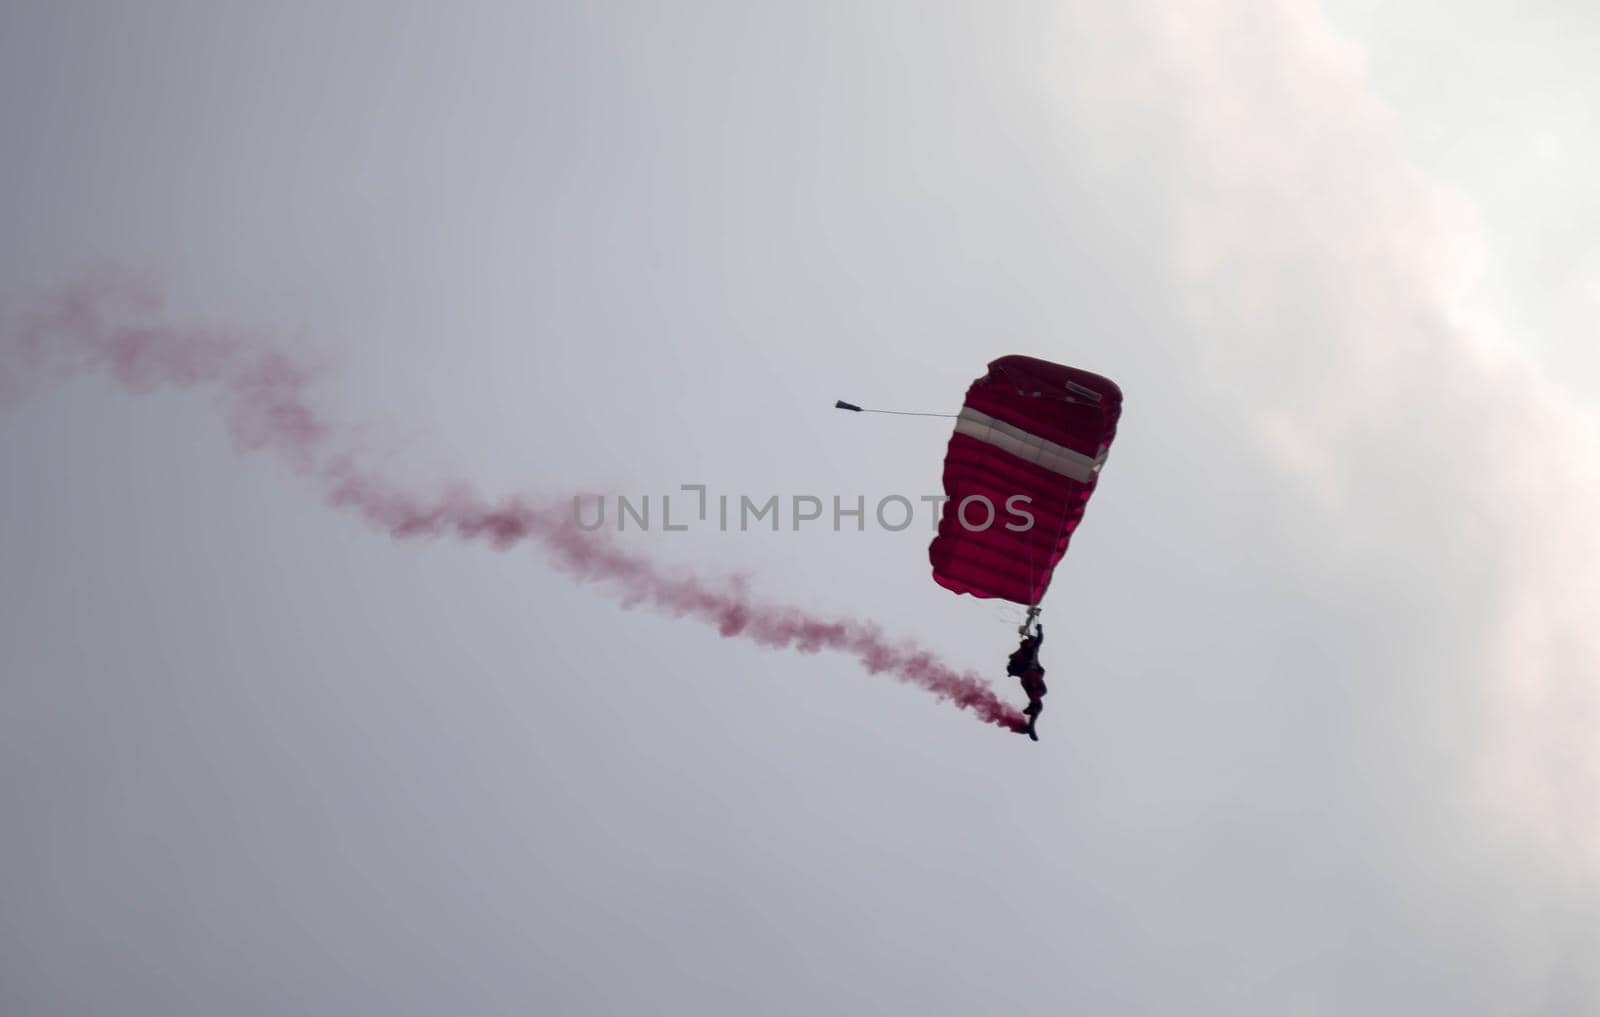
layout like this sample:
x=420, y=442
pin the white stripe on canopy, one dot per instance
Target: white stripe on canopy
x=1028, y=446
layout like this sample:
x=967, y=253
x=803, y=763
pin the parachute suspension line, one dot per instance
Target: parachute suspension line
x=1033, y=581
x=842, y=405
x=1034, y=574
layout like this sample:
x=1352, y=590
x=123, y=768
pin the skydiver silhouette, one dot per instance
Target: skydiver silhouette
x=1024, y=664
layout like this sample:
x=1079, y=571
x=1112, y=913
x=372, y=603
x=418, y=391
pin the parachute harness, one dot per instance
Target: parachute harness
x=1033, y=617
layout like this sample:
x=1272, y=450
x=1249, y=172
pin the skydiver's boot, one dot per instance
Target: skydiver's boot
x=1034, y=709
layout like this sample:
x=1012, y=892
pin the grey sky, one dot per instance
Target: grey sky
x=1322, y=735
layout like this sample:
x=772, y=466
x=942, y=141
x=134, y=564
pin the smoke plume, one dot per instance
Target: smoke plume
x=115, y=324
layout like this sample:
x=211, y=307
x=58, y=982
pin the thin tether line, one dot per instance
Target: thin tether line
x=912, y=413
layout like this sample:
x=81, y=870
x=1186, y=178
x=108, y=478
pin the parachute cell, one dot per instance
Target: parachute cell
x=1025, y=457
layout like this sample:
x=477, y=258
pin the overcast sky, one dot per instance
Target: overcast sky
x=1323, y=734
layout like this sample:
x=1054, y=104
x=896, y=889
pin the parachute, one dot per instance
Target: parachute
x=1026, y=454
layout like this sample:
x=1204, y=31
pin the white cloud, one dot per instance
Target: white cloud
x=1338, y=288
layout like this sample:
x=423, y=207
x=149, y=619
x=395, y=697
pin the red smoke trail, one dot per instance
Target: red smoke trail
x=114, y=324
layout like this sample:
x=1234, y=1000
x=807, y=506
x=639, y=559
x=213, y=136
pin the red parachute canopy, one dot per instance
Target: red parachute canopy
x=1031, y=438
